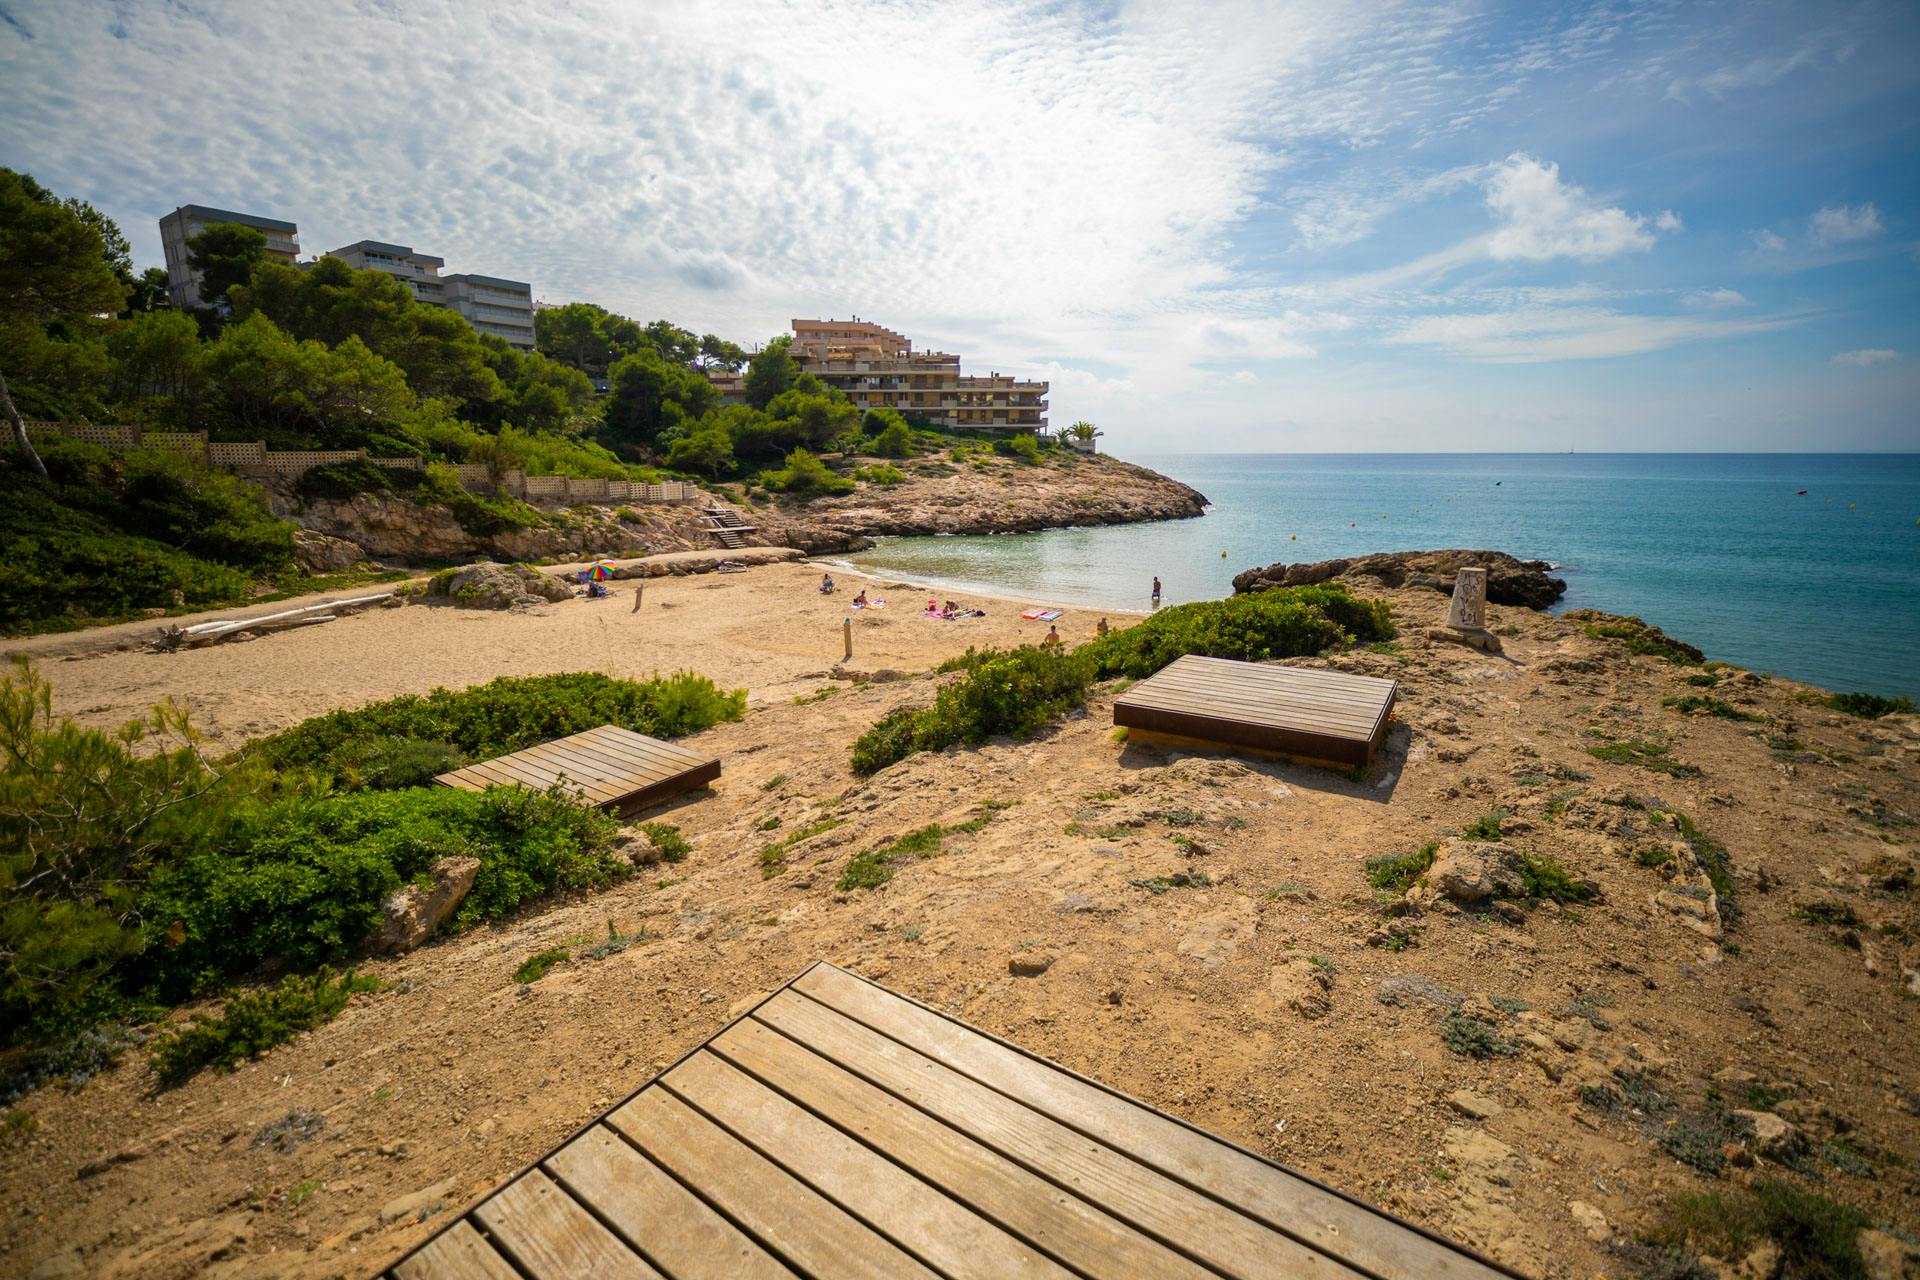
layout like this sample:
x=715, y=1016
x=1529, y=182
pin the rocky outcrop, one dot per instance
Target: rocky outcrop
x=412, y=915
x=496, y=586
x=1472, y=871
x=318, y=552
x=1509, y=580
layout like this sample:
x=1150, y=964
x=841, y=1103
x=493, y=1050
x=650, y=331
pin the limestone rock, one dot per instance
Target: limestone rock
x=488, y=585
x=1471, y=871
x=416, y=1206
x=1029, y=964
x=1774, y=1137
x=1474, y=1106
x=1591, y=1221
x=1509, y=580
x=1887, y=1256
x=319, y=552
x=1480, y=1155
x=414, y=913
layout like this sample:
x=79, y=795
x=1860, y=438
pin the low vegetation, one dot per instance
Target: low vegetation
x=252, y=1023
x=1815, y=1236
x=1647, y=755
x=1695, y=705
x=1638, y=637
x=1396, y=873
x=1868, y=706
x=1017, y=693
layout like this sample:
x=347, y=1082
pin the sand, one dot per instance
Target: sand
x=1252, y=1006
x=767, y=629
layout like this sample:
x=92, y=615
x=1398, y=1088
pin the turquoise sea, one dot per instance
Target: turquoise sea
x=1718, y=549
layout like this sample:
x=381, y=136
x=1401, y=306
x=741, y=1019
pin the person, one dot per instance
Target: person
x=596, y=591
x=1052, y=637
x=950, y=610
x=1156, y=592
x=1103, y=628
x=860, y=601
x=826, y=584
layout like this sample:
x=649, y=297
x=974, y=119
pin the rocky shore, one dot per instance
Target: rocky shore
x=986, y=495
x=1509, y=580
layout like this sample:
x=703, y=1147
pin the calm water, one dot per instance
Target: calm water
x=1715, y=548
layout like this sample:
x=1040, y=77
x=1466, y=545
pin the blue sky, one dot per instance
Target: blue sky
x=1347, y=225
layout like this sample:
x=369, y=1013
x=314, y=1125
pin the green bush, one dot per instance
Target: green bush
x=894, y=441
x=300, y=882
x=254, y=1023
x=1002, y=693
x=510, y=714
x=805, y=476
x=1484, y=827
x=389, y=762
x=1288, y=622
x=339, y=480
x=540, y=963
x=1868, y=706
x=1021, y=448
x=1398, y=872
x=886, y=475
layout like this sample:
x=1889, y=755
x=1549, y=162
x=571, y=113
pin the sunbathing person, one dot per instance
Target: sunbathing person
x=1052, y=638
x=950, y=610
x=1103, y=628
x=826, y=584
x=860, y=601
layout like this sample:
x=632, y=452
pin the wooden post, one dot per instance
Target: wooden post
x=637, y=591
x=846, y=630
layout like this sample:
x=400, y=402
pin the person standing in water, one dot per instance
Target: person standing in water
x=1156, y=592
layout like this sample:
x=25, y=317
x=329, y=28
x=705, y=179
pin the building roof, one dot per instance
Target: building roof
x=202, y=213
x=493, y=280
x=398, y=250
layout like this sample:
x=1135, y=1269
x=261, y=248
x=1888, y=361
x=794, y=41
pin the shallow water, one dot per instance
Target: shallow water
x=1715, y=548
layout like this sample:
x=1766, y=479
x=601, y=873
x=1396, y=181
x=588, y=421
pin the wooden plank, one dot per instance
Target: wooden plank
x=1349, y=724
x=638, y=744
x=1302, y=700
x=457, y=1253
x=1279, y=682
x=676, y=1230
x=1168, y=1210
x=604, y=776
x=927, y=1223
x=1056, y=1221
x=1347, y=752
x=590, y=756
x=1283, y=1200
x=550, y=1237
x=786, y=1216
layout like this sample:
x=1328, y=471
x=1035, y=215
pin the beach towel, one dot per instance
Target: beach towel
x=871, y=604
x=1032, y=615
x=1048, y=616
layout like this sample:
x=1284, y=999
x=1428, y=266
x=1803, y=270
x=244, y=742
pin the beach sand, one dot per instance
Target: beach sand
x=767, y=629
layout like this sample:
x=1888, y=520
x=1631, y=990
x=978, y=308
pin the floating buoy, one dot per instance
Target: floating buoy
x=1223, y=555
x=1292, y=537
x=1852, y=505
x=1799, y=493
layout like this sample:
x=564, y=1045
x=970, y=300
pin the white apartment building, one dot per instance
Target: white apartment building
x=420, y=272
x=189, y=220
x=503, y=308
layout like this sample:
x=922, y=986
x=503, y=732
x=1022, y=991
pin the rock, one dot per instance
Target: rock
x=65, y=1265
x=1774, y=1137
x=488, y=585
x=1471, y=871
x=318, y=552
x=1634, y=632
x=1509, y=580
x=1591, y=1221
x=1407, y=988
x=413, y=914
x=416, y=1206
x=1887, y=1256
x=1478, y=1154
x=1029, y=964
x=1473, y=1106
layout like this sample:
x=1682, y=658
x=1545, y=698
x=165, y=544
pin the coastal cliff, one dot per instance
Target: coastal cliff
x=987, y=495
x=1510, y=580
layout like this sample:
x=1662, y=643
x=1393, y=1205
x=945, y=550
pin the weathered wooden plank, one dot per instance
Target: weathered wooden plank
x=1303, y=699
x=927, y=1223
x=1066, y=1227
x=629, y=743
x=1327, y=1221
x=783, y=1214
x=613, y=779
x=457, y=1253
x=1134, y=1192
x=1357, y=722
x=676, y=1230
x=551, y=1238
x=606, y=762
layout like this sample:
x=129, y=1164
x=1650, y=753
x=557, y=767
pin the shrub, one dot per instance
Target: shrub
x=874, y=868
x=481, y=516
x=894, y=441
x=1638, y=636
x=511, y=713
x=1021, y=448
x=1868, y=706
x=1545, y=878
x=1648, y=755
x=1471, y=1038
x=300, y=882
x=1012, y=693
x=1485, y=827
x=886, y=475
x=1816, y=1237
x=1288, y=622
x=388, y=762
x=1398, y=872
x=537, y=965
x=347, y=479
x=805, y=476
x=254, y=1023
x=666, y=840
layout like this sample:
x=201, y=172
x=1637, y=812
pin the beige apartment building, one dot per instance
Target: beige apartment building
x=420, y=272
x=189, y=220
x=503, y=308
x=875, y=366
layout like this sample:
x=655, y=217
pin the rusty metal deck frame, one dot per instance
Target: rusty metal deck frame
x=609, y=767
x=804, y=1174
x=1326, y=716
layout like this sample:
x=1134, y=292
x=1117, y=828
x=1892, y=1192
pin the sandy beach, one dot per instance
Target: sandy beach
x=766, y=629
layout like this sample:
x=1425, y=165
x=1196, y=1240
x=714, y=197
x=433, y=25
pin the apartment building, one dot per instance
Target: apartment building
x=420, y=272
x=492, y=305
x=875, y=366
x=189, y=220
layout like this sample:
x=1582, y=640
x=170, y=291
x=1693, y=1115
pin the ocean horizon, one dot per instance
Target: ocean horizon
x=1720, y=550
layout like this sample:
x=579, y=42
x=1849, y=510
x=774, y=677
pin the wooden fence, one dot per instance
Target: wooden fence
x=253, y=458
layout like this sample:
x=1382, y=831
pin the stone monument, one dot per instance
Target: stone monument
x=1467, y=615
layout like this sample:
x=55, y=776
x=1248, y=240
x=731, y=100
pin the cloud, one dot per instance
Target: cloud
x=1246, y=377
x=1769, y=242
x=1537, y=334
x=1845, y=224
x=1542, y=217
x=1716, y=298
x=1866, y=357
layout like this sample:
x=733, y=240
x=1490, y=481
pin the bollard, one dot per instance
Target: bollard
x=846, y=630
x=636, y=596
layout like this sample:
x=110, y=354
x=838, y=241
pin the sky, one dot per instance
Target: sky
x=1337, y=226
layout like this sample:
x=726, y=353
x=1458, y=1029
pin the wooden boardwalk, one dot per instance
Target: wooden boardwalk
x=610, y=767
x=1326, y=716
x=840, y=1130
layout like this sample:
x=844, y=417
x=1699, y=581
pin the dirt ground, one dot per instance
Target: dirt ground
x=1251, y=1004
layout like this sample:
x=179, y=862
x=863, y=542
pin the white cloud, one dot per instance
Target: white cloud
x=1246, y=377
x=1542, y=217
x=1866, y=357
x=1769, y=242
x=1668, y=220
x=1716, y=298
x=1845, y=224
x=1536, y=334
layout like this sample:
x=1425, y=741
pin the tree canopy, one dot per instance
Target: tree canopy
x=225, y=254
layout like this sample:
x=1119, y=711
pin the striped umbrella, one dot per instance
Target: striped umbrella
x=600, y=570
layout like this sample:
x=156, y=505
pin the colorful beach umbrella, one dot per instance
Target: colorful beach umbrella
x=600, y=570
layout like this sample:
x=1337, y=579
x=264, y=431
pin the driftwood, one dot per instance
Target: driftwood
x=205, y=633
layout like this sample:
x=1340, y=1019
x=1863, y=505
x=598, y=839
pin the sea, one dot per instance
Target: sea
x=1724, y=551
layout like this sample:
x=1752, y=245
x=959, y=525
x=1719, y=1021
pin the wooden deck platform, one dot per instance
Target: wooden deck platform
x=1326, y=716
x=610, y=767
x=839, y=1130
